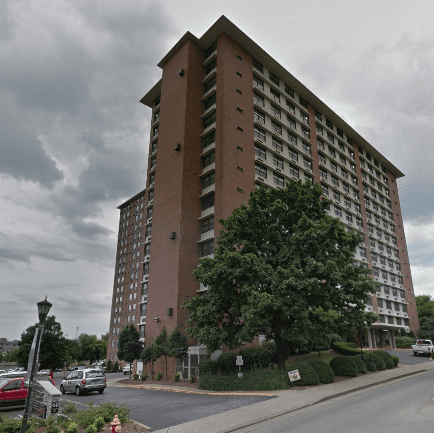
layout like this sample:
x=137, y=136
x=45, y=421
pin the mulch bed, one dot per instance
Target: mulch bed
x=125, y=428
x=184, y=384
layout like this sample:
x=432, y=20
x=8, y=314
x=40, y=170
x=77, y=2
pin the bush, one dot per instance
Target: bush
x=377, y=359
x=143, y=377
x=159, y=375
x=349, y=349
x=99, y=423
x=333, y=338
x=116, y=367
x=70, y=408
x=72, y=428
x=136, y=376
x=107, y=411
x=177, y=377
x=226, y=363
x=91, y=429
x=108, y=366
x=370, y=365
x=395, y=360
x=207, y=366
x=192, y=379
x=308, y=374
x=404, y=341
x=387, y=357
x=256, y=380
x=324, y=371
x=255, y=357
x=403, y=345
x=344, y=366
x=361, y=366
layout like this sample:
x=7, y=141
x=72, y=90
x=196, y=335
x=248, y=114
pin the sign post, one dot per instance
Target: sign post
x=240, y=362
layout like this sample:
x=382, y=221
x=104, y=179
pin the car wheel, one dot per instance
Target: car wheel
x=101, y=391
x=414, y=354
x=62, y=389
x=77, y=391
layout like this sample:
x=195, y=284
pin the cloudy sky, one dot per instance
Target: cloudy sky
x=74, y=137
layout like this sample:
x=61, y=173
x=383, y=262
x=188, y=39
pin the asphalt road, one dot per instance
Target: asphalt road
x=401, y=407
x=406, y=357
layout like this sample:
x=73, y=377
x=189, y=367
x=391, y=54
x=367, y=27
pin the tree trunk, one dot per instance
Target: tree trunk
x=165, y=359
x=281, y=354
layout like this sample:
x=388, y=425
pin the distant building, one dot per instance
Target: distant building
x=226, y=118
x=8, y=346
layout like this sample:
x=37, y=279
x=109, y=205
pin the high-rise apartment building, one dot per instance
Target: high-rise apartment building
x=227, y=117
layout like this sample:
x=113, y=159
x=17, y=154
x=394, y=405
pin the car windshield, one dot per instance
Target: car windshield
x=94, y=373
x=3, y=382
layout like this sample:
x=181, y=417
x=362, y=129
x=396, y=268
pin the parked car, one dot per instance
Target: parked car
x=423, y=347
x=126, y=369
x=13, y=392
x=20, y=374
x=82, y=381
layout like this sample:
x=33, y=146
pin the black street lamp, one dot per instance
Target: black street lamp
x=43, y=309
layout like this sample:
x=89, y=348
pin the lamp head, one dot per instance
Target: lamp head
x=43, y=309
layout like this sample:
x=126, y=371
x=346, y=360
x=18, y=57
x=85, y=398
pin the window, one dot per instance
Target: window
x=210, y=83
x=332, y=152
x=338, y=212
x=157, y=101
x=349, y=217
x=211, y=49
x=302, y=102
x=292, y=138
x=336, y=195
x=345, y=187
x=344, y=173
x=333, y=167
x=291, y=107
x=209, y=120
x=148, y=230
x=320, y=144
x=322, y=158
x=259, y=117
x=335, y=181
x=210, y=101
x=277, y=144
x=275, y=95
x=307, y=163
x=211, y=66
x=276, y=128
x=278, y=179
x=259, y=133
x=304, y=118
x=319, y=129
x=208, y=159
x=152, y=178
x=306, y=148
x=278, y=162
x=258, y=99
x=325, y=189
x=257, y=65
x=293, y=154
x=276, y=111
x=147, y=249
x=329, y=123
x=305, y=132
x=359, y=222
x=207, y=201
x=209, y=139
x=208, y=224
x=340, y=133
x=153, y=162
x=146, y=269
x=357, y=208
x=151, y=195
x=207, y=248
x=208, y=180
x=273, y=78
x=330, y=137
x=291, y=122
x=293, y=170
x=343, y=160
x=323, y=174
x=260, y=151
x=289, y=91
x=260, y=170
x=258, y=82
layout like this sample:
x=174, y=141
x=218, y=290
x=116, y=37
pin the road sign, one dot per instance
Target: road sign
x=240, y=360
x=294, y=375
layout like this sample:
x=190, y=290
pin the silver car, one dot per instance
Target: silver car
x=81, y=381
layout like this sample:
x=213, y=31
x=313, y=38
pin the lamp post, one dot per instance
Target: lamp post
x=43, y=309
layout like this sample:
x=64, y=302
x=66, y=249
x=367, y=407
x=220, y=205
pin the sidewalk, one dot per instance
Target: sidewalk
x=291, y=400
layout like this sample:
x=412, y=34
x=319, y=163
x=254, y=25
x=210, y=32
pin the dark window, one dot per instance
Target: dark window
x=208, y=159
x=157, y=101
x=274, y=78
x=207, y=201
x=149, y=213
x=209, y=120
x=289, y=91
x=211, y=83
x=211, y=49
x=207, y=248
x=211, y=66
x=209, y=139
x=207, y=224
x=210, y=101
x=257, y=65
x=260, y=151
x=260, y=170
x=208, y=180
x=303, y=103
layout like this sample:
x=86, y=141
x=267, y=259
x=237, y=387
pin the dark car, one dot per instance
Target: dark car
x=13, y=392
x=82, y=381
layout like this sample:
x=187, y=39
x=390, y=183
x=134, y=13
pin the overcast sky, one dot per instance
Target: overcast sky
x=74, y=137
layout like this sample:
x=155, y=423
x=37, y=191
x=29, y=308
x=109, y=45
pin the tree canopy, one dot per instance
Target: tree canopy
x=425, y=311
x=130, y=346
x=283, y=268
x=90, y=348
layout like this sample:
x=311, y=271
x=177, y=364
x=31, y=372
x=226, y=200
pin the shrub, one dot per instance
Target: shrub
x=255, y=357
x=72, y=428
x=99, y=423
x=116, y=368
x=143, y=377
x=256, y=380
x=54, y=429
x=207, y=366
x=177, y=377
x=226, y=363
x=387, y=358
x=403, y=345
x=70, y=408
x=377, y=359
x=108, y=366
x=370, y=365
x=344, y=348
x=361, y=366
x=308, y=374
x=334, y=337
x=136, y=376
x=91, y=429
x=159, y=375
x=344, y=366
x=192, y=379
x=324, y=371
x=395, y=360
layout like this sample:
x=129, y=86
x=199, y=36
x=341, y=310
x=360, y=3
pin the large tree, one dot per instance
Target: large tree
x=278, y=261
x=90, y=348
x=130, y=346
x=425, y=311
x=54, y=346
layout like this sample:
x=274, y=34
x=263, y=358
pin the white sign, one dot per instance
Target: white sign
x=240, y=360
x=294, y=375
x=240, y=375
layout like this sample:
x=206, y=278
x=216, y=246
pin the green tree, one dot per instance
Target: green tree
x=277, y=261
x=130, y=346
x=90, y=348
x=150, y=354
x=177, y=342
x=54, y=345
x=425, y=311
x=161, y=341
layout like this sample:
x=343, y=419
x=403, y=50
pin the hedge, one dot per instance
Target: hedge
x=376, y=358
x=344, y=366
x=349, y=349
x=226, y=363
x=308, y=374
x=324, y=371
x=207, y=366
x=387, y=357
x=361, y=366
x=395, y=360
x=255, y=357
x=404, y=345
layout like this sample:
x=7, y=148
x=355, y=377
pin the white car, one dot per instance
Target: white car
x=126, y=369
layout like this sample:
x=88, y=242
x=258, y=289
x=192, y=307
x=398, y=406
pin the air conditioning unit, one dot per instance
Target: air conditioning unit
x=260, y=159
x=278, y=169
x=374, y=263
x=148, y=239
x=146, y=278
x=146, y=260
x=348, y=208
x=150, y=202
x=259, y=140
x=261, y=179
x=152, y=184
